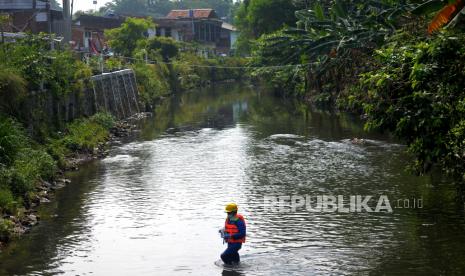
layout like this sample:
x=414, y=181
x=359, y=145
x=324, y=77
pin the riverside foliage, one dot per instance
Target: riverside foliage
x=27, y=66
x=387, y=60
x=419, y=94
x=163, y=65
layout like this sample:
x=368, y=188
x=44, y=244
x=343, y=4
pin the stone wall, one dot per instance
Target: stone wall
x=114, y=92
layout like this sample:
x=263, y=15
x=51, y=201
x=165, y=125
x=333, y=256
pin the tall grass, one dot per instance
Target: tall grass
x=13, y=90
x=22, y=163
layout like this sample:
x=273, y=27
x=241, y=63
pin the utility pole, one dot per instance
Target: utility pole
x=72, y=10
x=48, y=7
x=67, y=21
x=34, y=17
x=49, y=23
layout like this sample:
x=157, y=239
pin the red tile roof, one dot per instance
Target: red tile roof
x=198, y=13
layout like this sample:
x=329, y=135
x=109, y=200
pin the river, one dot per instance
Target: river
x=154, y=205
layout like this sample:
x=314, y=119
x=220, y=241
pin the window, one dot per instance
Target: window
x=202, y=32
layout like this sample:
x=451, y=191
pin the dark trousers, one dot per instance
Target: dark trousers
x=231, y=255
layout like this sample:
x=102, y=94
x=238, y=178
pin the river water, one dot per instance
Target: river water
x=155, y=204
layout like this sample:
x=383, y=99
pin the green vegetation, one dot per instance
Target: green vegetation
x=330, y=46
x=163, y=65
x=13, y=88
x=257, y=17
x=84, y=134
x=32, y=60
x=375, y=58
x=6, y=228
x=124, y=40
x=165, y=47
x=28, y=67
x=418, y=95
x=24, y=162
x=28, y=157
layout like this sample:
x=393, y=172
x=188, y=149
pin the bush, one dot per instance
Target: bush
x=6, y=200
x=6, y=228
x=152, y=81
x=113, y=64
x=30, y=166
x=85, y=135
x=164, y=46
x=13, y=90
x=66, y=73
x=43, y=68
x=82, y=135
x=104, y=119
x=125, y=39
x=35, y=163
x=12, y=138
x=418, y=94
x=58, y=151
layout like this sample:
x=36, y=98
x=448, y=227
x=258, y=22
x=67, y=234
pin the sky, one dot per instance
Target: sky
x=85, y=5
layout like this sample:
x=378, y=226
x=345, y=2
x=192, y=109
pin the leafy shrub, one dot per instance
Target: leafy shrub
x=113, y=64
x=56, y=70
x=124, y=40
x=58, y=151
x=6, y=228
x=30, y=166
x=82, y=135
x=164, y=46
x=418, y=94
x=12, y=138
x=6, y=199
x=66, y=73
x=104, y=119
x=152, y=81
x=85, y=135
x=13, y=90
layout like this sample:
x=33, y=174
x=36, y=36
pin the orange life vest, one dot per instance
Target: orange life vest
x=231, y=229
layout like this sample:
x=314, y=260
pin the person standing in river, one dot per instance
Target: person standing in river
x=234, y=234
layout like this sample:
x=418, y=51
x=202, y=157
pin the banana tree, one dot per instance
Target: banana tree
x=335, y=27
x=333, y=38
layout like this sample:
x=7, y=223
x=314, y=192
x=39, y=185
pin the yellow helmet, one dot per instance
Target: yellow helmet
x=231, y=207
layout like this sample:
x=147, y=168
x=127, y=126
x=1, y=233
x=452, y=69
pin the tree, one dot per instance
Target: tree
x=267, y=16
x=331, y=45
x=124, y=40
x=165, y=46
x=335, y=28
x=257, y=17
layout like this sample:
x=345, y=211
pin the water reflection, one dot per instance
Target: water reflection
x=154, y=205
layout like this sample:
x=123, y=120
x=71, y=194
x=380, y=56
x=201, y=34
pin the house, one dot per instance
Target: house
x=197, y=25
x=32, y=16
x=228, y=37
x=88, y=31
